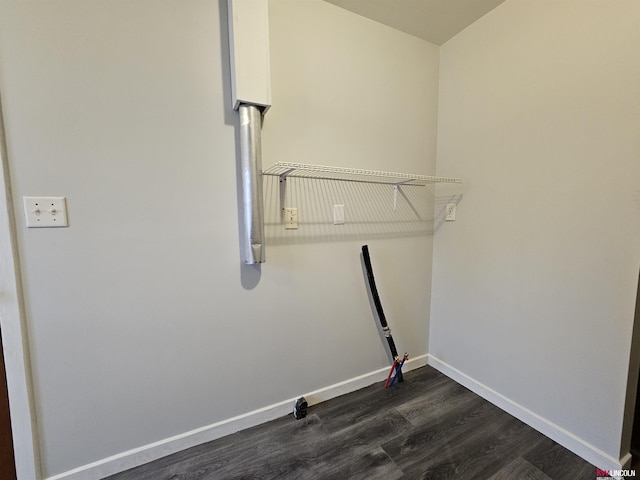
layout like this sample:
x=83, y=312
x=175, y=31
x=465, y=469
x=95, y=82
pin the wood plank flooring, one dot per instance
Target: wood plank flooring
x=427, y=428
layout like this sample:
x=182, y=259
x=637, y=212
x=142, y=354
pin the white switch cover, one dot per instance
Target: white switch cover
x=291, y=218
x=45, y=211
x=338, y=214
x=450, y=212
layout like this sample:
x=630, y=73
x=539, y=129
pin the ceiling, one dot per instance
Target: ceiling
x=433, y=20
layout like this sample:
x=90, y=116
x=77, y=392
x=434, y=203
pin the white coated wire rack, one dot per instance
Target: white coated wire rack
x=286, y=169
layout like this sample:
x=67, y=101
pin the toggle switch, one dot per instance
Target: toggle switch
x=45, y=211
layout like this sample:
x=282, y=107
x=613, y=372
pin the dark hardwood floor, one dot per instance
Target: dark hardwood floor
x=428, y=427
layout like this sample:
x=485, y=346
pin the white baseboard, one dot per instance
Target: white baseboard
x=565, y=438
x=147, y=453
x=625, y=461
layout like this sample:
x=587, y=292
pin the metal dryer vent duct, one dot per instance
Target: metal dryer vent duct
x=251, y=167
x=251, y=96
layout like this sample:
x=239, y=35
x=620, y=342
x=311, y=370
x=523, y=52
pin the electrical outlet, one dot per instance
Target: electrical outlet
x=450, y=212
x=291, y=218
x=45, y=211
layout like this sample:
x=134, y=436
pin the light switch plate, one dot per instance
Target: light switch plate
x=45, y=212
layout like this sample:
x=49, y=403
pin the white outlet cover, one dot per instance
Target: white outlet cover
x=45, y=212
x=291, y=218
x=450, y=212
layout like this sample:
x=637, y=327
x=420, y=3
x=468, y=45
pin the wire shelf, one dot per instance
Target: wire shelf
x=301, y=170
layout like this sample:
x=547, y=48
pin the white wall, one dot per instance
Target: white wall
x=534, y=285
x=143, y=324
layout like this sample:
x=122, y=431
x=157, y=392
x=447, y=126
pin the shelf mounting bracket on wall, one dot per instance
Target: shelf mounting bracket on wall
x=395, y=191
x=283, y=187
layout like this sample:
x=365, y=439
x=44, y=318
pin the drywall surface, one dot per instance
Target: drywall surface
x=143, y=323
x=534, y=284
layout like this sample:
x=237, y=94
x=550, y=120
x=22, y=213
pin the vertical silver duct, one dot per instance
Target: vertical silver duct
x=251, y=165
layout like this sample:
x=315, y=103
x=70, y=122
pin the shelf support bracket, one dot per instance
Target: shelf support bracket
x=283, y=188
x=395, y=191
